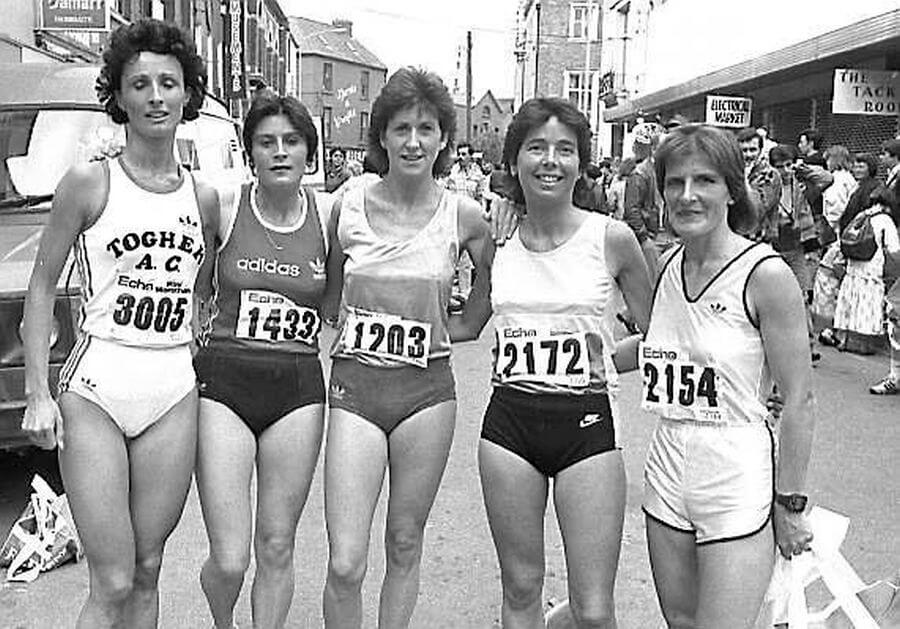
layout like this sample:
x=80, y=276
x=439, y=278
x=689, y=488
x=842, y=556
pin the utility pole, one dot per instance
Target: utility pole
x=468, y=86
x=537, y=45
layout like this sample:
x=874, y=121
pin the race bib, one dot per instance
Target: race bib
x=388, y=336
x=542, y=355
x=268, y=316
x=145, y=315
x=676, y=387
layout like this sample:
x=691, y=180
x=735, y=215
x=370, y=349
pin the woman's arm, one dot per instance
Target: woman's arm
x=475, y=238
x=775, y=301
x=334, y=266
x=211, y=217
x=78, y=199
x=627, y=265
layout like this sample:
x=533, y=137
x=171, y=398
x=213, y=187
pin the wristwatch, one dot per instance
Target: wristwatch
x=795, y=503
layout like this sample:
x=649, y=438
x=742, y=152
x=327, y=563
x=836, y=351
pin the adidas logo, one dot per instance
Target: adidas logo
x=90, y=384
x=717, y=308
x=337, y=392
x=188, y=221
x=318, y=269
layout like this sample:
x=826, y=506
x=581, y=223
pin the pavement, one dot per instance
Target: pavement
x=852, y=471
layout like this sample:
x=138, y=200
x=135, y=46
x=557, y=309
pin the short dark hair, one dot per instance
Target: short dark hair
x=149, y=35
x=892, y=147
x=814, y=136
x=749, y=133
x=267, y=103
x=869, y=160
x=464, y=145
x=721, y=149
x=781, y=152
x=535, y=112
x=412, y=87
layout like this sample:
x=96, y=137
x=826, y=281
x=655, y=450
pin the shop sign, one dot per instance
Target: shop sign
x=74, y=15
x=235, y=77
x=728, y=111
x=606, y=84
x=868, y=92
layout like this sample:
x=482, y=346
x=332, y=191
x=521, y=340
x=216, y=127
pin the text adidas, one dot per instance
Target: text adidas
x=272, y=267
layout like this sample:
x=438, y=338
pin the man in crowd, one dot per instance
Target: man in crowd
x=337, y=172
x=642, y=199
x=764, y=180
x=466, y=176
x=811, y=144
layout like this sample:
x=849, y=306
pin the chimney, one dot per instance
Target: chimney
x=345, y=24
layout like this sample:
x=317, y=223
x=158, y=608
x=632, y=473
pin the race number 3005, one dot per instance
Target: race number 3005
x=543, y=355
x=268, y=316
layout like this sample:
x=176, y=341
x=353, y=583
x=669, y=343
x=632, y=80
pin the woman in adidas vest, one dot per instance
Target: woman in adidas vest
x=262, y=393
x=126, y=417
x=553, y=413
x=392, y=393
x=727, y=322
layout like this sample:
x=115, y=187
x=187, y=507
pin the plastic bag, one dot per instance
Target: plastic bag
x=855, y=605
x=43, y=537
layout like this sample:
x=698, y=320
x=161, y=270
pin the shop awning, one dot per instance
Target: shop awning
x=864, y=39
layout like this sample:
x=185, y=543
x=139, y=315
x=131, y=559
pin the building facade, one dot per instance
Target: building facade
x=559, y=45
x=247, y=44
x=790, y=80
x=340, y=80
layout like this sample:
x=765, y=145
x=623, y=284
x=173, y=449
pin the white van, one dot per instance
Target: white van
x=50, y=119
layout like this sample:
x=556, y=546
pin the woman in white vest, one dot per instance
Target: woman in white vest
x=126, y=419
x=727, y=323
x=553, y=413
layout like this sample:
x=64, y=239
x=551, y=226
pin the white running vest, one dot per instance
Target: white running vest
x=703, y=359
x=553, y=315
x=138, y=263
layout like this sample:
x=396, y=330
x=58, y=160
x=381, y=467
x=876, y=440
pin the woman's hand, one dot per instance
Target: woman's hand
x=43, y=421
x=503, y=216
x=793, y=532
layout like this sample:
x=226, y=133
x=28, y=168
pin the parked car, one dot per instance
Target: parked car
x=49, y=119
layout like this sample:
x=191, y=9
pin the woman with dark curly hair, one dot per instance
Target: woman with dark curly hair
x=126, y=417
x=392, y=393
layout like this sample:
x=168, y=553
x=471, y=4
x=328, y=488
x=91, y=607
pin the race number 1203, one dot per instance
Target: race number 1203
x=388, y=336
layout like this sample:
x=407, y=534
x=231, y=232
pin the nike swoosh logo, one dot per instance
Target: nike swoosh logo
x=588, y=420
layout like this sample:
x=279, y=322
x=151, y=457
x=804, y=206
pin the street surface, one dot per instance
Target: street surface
x=852, y=471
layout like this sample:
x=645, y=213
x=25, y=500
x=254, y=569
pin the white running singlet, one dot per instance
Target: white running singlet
x=138, y=263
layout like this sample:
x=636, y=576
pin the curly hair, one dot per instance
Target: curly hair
x=149, y=35
x=534, y=113
x=721, y=149
x=412, y=87
x=267, y=103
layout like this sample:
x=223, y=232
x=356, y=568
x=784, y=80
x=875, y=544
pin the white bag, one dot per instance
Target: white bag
x=786, y=598
x=42, y=538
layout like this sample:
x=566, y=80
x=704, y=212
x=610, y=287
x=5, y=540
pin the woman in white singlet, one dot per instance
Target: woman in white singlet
x=392, y=399
x=727, y=323
x=553, y=413
x=126, y=419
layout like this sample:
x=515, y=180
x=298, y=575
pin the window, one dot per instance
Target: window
x=580, y=92
x=326, y=124
x=327, y=76
x=486, y=112
x=364, y=85
x=363, y=125
x=583, y=20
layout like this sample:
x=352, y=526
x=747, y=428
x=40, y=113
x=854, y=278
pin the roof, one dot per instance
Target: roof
x=325, y=40
x=872, y=36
